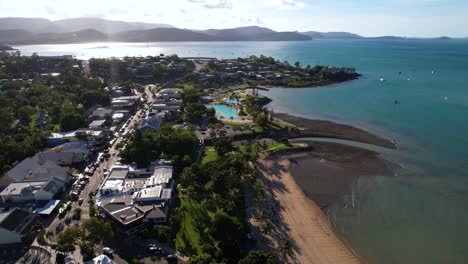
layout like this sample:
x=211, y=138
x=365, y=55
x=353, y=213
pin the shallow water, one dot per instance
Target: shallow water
x=419, y=216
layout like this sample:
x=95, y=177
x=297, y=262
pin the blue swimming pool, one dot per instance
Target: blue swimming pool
x=225, y=111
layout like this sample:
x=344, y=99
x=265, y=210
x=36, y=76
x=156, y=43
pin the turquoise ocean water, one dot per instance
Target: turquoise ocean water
x=419, y=214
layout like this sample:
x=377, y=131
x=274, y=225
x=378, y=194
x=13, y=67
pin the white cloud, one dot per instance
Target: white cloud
x=292, y=4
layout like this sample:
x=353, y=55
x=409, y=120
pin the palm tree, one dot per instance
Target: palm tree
x=286, y=249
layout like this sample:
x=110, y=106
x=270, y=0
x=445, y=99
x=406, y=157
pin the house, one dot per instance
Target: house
x=125, y=102
x=165, y=107
x=13, y=225
x=65, y=154
x=100, y=114
x=151, y=122
x=32, y=191
x=97, y=124
x=206, y=99
x=96, y=136
x=32, y=170
x=170, y=93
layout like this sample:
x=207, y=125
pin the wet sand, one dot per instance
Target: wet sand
x=299, y=184
x=321, y=128
x=327, y=172
x=301, y=221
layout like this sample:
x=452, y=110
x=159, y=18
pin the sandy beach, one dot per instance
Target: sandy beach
x=302, y=221
x=297, y=186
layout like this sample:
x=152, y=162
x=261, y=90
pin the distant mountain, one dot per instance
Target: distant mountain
x=234, y=34
x=388, y=37
x=82, y=36
x=253, y=33
x=12, y=36
x=161, y=34
x=331, y=35
x=41, y=25
x=102, y=25
x=21, y=23
x=443, y=38
x=5, y=47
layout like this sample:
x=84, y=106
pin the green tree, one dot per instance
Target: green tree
x=68, y=238
x=201, y=259
x=82, y=136
x=286, y=249
x=70, y=118
x=260, y=257
x=164, y=233
x=261, y=119
x=223, y=145
x=230, y=245
x=96, y=231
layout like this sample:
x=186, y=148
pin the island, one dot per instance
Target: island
x=5, y=47
x=178, y=155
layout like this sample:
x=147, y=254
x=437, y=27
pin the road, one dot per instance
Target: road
x=57, y=225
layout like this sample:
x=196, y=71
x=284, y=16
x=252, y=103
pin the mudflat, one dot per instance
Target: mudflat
x=322, y=128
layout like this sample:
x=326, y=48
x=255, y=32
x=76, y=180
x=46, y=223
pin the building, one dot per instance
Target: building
x=32, y=191
x=98, y=124
x=125, y=102
x=13, y=224
x=132, y=197
x=65, y=154
x=150, y=123
x=31, y=169
x=170, y=93
x=206, y=99
x=100, y=114
x=95, y=136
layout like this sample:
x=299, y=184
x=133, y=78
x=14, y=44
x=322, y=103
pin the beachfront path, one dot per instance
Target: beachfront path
x=308, y=227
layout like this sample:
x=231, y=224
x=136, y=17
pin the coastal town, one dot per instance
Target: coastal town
x=151, y=159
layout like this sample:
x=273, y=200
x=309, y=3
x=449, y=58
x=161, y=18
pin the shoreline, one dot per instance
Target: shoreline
x=300, y=185
x=296, y=216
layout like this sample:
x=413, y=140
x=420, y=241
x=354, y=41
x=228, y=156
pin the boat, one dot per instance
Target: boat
x=381, y=79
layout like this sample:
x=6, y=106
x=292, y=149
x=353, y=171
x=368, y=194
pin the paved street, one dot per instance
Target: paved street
x=58, y=225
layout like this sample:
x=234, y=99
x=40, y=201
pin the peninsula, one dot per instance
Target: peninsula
x=179, y=154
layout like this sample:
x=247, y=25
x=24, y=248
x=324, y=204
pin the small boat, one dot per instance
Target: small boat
x=445, y=98
x=433, y=72
x=381, y=79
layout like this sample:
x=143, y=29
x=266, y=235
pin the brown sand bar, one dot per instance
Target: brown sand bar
x=307, y=227
x=321, y=128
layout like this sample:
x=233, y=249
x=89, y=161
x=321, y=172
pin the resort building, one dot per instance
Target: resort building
x=134, y=197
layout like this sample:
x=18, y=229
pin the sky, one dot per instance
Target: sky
x=410, y=18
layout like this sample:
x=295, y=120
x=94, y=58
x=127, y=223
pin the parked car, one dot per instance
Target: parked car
x=107, y=251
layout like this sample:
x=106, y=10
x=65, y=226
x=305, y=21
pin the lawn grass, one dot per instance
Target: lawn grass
x=210, y=155
x=188, y=237
x=282, y=146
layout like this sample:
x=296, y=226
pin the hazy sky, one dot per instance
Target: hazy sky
x=367, y=17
